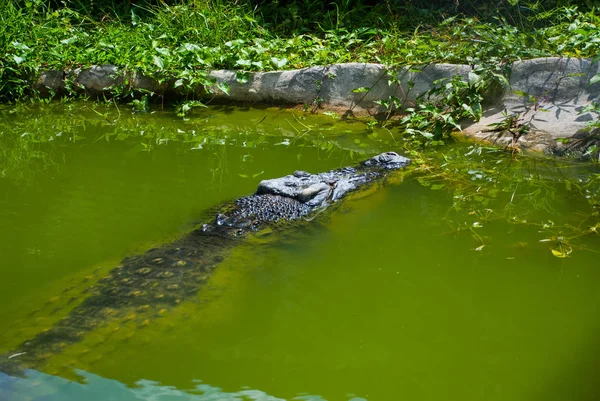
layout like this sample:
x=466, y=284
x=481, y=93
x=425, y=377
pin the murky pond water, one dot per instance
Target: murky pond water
x=403, y=294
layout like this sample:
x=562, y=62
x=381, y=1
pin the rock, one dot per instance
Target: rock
x=50, y=81
x=144, y=82
x=99, y=78
x=547, y=94
x=287, y=87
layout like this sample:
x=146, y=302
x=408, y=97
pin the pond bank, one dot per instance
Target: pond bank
x=547, y=95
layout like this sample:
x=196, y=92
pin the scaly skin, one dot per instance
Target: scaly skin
x=146, y=285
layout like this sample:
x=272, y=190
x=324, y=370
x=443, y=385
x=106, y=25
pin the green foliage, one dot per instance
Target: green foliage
x=180, y=41
x=593, y=108
x=439, y=112
x=488, y=184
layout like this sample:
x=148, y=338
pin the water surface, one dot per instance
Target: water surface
x=397, y=295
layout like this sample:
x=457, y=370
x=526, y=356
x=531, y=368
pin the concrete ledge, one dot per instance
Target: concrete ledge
x=546, y=93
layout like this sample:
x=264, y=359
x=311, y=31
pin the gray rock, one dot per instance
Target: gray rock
x=287, y=87
x=50, y=81
x=139, y=80
x=548, y=95
x=99, y=78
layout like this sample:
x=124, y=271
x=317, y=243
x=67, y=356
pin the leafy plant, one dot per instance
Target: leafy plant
x=179, y=42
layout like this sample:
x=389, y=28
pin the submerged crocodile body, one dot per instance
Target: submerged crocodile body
x=155, y=281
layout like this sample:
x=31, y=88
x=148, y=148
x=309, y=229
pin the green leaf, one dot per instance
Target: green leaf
x=559, y=254
x=244, y=62
x=20, y=46
x=159, y=62
x=595, y=79
x=474, y=78
x=163, y=50
x=18, y=59
x=134, y=18
x=279, y=62
x=242, y=76
x=362, y=89
x=521, y=93
x=188, y=47
x=223, y=87
x=502, y=79
x=234, y=43
x=70, y=40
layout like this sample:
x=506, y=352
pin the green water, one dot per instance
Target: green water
x=391, y=297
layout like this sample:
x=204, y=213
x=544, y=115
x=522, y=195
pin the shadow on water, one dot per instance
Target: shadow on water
x=141, y=288
x=577, y=378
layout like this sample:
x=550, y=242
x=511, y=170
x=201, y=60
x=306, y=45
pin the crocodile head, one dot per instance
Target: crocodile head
x=388, y=161
x=318, y=190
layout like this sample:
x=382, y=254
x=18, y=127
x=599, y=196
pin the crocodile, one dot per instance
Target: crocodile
x=146, y=285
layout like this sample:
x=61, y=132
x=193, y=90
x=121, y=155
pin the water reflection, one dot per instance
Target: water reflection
x=40, y=386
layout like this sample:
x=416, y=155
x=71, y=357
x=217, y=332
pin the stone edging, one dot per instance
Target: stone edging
x=558, y=88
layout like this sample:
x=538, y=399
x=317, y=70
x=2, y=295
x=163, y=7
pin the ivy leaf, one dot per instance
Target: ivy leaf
x=474, y=78
x=159, y=62
x=163, y=50
x=20, y=46
x=468, y=108
x=279, y=62
x=242, y=76
x=223, y=87
x=502, y=79
x=234, y=43
x=189, y=47
x=244, y=62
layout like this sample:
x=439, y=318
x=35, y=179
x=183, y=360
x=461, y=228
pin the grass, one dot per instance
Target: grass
x=180, y=41
x=183, y=40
